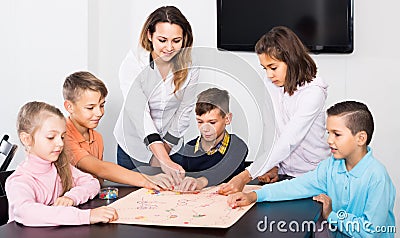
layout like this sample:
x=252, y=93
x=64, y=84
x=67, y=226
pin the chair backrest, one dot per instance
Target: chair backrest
x=7, y=149
x=3, y=197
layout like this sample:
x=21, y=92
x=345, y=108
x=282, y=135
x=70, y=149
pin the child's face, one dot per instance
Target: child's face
x=87, y=111
x=167, y=40
x=276, y=70
x=342, y=142
x=48, y=139
x=212, y=125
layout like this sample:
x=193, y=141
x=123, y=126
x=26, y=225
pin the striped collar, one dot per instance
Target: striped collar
x=221, y=146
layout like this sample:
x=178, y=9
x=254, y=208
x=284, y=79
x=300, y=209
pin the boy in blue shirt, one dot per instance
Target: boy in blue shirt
x=353, y=187
x=215, y=155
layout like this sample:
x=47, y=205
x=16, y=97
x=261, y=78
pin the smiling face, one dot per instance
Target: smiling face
x=275, y=69
x=86, y=111
x=212, y=125
x=166, y=40
x=48, y=138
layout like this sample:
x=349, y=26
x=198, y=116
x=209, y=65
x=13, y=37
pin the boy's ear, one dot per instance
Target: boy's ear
x=361, y=138
x=25, y=138
x=228, y=118
x=68, y=106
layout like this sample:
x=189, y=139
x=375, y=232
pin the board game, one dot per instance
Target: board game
x=206, y=208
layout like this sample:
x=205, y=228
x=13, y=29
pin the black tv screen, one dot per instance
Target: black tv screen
x=324, y=26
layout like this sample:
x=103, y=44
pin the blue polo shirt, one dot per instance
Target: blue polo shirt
x=363, y=196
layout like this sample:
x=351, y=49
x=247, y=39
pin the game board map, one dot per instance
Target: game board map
x=206, y=208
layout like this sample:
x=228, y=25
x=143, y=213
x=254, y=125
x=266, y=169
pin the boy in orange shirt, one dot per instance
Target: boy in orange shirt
x=84, y=96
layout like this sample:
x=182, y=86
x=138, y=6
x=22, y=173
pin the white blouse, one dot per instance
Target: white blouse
x=150, y=106
x=300, y=140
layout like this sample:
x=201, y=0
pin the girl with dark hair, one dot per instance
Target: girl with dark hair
x=299, y=100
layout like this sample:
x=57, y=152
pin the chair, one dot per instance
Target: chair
x=3, y=197
x=7, y=149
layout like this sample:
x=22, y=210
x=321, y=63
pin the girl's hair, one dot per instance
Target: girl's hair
x=282, y=44
x=30, y=117
x=182, y=60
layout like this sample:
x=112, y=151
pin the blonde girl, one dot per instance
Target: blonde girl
x=45, y=188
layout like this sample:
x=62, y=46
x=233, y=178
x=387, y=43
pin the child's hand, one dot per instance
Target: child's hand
x=63, y=201
x=163, y=181
x=202, y=182
x=103, y=214
x=326, y=204
x=270, y=177
x=188, y=184
x=241, y=199
x=236, y=184
x=191, y=184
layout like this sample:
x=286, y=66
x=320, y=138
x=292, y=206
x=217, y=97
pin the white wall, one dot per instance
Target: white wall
x=44, y=41
x=41, y=43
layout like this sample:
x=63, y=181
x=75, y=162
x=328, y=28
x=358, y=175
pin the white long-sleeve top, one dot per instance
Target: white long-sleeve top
x=35, y=185
x=300, y=141
x=150, y=106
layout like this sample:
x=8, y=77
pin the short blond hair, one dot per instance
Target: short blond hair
x=78, y=82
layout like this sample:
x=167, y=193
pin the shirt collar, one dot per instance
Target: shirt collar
x=37, y=165
x=360, y=167
x=151, y=61
x=221, y=147
x=79, y=136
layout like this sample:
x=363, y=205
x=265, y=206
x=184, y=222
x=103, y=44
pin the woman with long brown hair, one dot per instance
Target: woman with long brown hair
x=158, y=84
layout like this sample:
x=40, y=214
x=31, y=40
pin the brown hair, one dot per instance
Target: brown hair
x=212, y=98
x=30, y=118
x=78, y=82
x=182, y=60
x=357, y=115
x=282, y=44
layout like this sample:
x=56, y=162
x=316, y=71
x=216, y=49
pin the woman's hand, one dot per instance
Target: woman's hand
x=174, y=170
x=161, y=153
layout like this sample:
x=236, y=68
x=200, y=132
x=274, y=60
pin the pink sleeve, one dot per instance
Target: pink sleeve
x=24, y=208
x=85, y=187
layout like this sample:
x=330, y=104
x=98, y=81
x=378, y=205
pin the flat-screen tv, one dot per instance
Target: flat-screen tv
x=324, y=26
